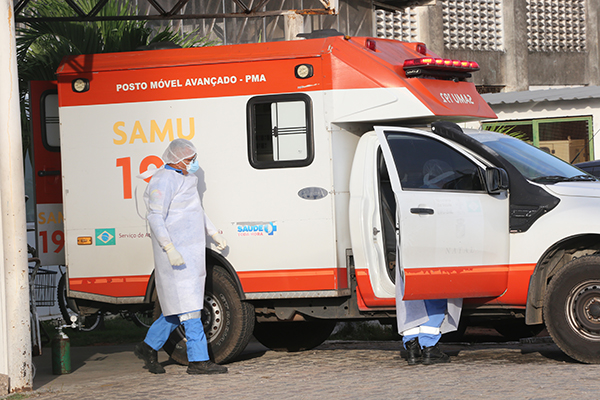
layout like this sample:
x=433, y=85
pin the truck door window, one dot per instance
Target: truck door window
x=425, y=163
x=280, y=131
x=388, y=216
x=50, y=125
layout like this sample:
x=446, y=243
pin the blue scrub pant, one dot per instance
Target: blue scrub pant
x=161, y=329
x=436, y=311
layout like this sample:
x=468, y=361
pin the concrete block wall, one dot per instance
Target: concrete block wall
x=519, y=44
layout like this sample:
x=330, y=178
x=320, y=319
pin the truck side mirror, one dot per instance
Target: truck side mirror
x=496, y=180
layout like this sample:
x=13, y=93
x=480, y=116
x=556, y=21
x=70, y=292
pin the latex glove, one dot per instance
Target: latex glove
x=175, y=257
x=220, y=241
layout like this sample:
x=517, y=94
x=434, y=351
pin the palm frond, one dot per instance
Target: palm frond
x=506, y=130
x=41, y=45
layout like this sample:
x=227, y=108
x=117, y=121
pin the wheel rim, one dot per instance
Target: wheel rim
x=212, y=317
x=583, y=309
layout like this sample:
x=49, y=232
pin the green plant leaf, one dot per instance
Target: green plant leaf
x=506, y=130
x=41, y=45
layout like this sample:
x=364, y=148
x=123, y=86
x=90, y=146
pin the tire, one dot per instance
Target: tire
x=69, y=308
x=516, y=329
x=228, y=321
x=572, y=309
x=293, y=336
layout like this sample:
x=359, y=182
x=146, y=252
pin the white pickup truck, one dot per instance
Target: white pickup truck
x=485, y=212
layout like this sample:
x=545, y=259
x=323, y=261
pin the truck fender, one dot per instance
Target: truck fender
x=553, y=259
x=214, y=258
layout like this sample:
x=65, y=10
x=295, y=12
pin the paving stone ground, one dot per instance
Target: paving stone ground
x=334, y=370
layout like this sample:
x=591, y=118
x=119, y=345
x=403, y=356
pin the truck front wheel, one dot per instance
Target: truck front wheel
x=572, y=309
x=228, y=321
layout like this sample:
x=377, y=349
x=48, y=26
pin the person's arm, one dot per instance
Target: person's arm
x=160, y=195
x=212, y=231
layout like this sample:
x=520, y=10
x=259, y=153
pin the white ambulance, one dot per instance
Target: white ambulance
x=290, y=138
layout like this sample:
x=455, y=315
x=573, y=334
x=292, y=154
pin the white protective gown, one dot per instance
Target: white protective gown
x=413, y=313
x=175, y=215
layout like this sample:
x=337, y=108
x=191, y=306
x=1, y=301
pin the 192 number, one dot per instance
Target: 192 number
x=125, y=163
x=57, y=237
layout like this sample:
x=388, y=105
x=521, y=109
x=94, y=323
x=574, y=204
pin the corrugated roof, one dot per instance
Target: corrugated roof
x=575, y=93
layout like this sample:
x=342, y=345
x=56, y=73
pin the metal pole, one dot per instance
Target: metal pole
x=3, y=324
x=293, y=25
x=12, y=207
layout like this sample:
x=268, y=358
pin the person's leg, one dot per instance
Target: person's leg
x=197, y=347
x=410, y=340
x=160, y=330
x=156, y=337
x=430, y=335
x=409, y=335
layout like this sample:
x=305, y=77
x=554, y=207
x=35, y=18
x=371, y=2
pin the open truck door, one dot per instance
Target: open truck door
x=48, y=182
x=452, y=235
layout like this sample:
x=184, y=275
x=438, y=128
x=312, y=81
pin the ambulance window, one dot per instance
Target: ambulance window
x=50, y=125
x=425, y=163
x=280, y=131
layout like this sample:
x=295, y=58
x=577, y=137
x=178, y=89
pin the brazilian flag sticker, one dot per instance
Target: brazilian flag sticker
x=105, y=237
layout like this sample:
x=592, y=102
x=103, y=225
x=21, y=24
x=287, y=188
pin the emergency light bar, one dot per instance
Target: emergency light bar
x=442, y=68
x=441, y=63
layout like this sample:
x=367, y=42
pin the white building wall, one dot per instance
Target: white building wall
x=550, y=109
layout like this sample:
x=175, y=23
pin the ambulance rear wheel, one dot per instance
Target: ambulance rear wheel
x=293, y=336
x=228, y=321
x=572, y=309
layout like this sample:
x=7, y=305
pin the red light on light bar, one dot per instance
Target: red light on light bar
x=417, y=62
x=441, y=63
x=371, y=45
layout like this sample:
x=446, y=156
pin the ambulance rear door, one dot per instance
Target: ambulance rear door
x=48, y=187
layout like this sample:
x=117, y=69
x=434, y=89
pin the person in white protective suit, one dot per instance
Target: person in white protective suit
x=422, y=323
x=179, y=226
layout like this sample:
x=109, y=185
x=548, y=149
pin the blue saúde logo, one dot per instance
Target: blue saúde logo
x=259, y=229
